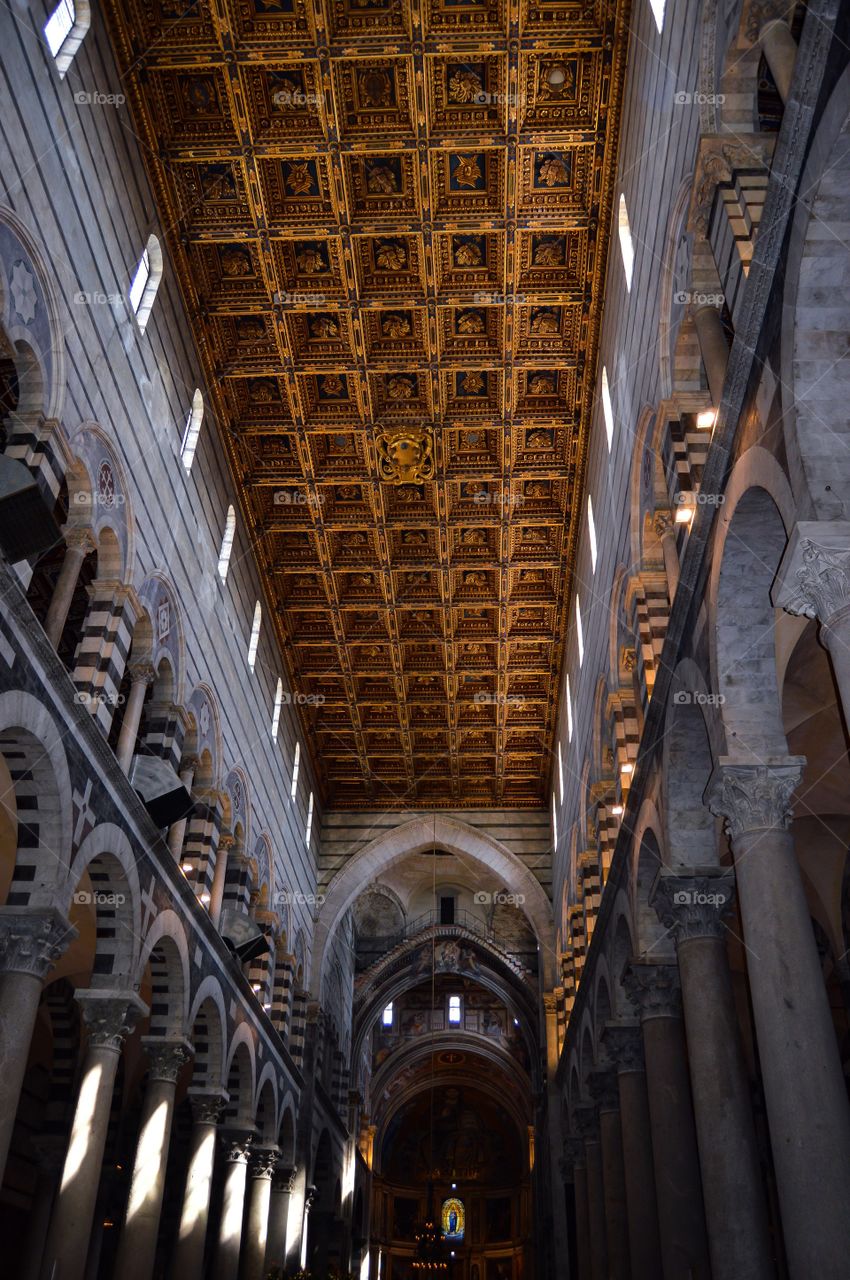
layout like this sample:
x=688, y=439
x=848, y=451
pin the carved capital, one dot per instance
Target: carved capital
x=78, y=538
x=586, y=1121
x=654, y=989
x=32, y=939
x=237, y=1146
x=718, y=158
x=662, y=522
x=603, y=1088
x=622, y=1042
x=814, y=576
x=753, y=797
x=756, y=13
x=283, y=1180
x=574, y=1153
x=263, y=1162
x=693, y=905
x=110, y=1016
x=207, y=1105
x=141, y=673
x=310, y=1194
x=166, y=1057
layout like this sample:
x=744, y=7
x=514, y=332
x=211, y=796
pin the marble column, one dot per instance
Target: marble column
x=804, y=1087
x=283, y=1181
x=665, y=529
x=586, y=1120
x=780, y=50
x=142, y=676
x=207, y=1106
x=692, y=905
x=814, y=582
x=177, y=830
x=622, y=1042
x=137, y=1247
x=654, y=989
x=31, y=941
x=109, y=1017
x=50, y=1154
x=714, y=349
x=577, y=1155
x=261, y=1167
x=603, y=1088
x=78, y=543
x=229, y=1247
x=222, y=853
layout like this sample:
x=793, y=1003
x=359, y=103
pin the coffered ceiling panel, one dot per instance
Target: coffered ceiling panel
x=390, y=222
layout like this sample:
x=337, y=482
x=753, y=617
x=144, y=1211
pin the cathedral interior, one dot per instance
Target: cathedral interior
x=425, y=640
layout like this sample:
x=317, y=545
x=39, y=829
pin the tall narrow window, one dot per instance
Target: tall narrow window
x=64, y=31
x=454, y=1011
x=554, y=822
x=579, y=632
x=278, y=703
x=607, y=409
x=296, y=765
x=387, y=1015
x=253, y=643
x=309, y=831
x=146, y=281
x=561, y=772
x=226, y=543
x=591, y=533
x=657, y=7
x=626, y=247
x=569, y=712
x=192, y=431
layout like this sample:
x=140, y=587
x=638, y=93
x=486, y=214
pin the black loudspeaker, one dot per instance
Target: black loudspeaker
x=27, y=525
x=242, y=935
x=162, y=792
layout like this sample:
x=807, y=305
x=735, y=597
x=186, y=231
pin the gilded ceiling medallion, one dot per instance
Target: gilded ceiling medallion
x=405, y=455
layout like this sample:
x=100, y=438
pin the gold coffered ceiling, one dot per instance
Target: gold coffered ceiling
x=390, y=223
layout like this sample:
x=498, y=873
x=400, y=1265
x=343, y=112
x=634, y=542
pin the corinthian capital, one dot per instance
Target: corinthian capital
x=693, y=905
x=814, y=576
x=263, y=1162
x=753, y=797
x=654, y=989
x=110, y=1015
x=237, y=1146
x=32, y=939
x=166, y=1057
x=207, y=1104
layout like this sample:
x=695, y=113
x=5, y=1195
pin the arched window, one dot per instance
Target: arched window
x=657, y=7
x=626, y=247
x=309, y=830
x=65, y=29
x=227, y=543
x=554, y=822
x=278, y=703
x=192, y=430
x=455, y=1011
x=146, y=282
x=253, y=643
x=296, y=765
x=569, y=711
x=591, y=533
x=561, y=772
x=387, y=1015
x=607, y=409
x=579, y=632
